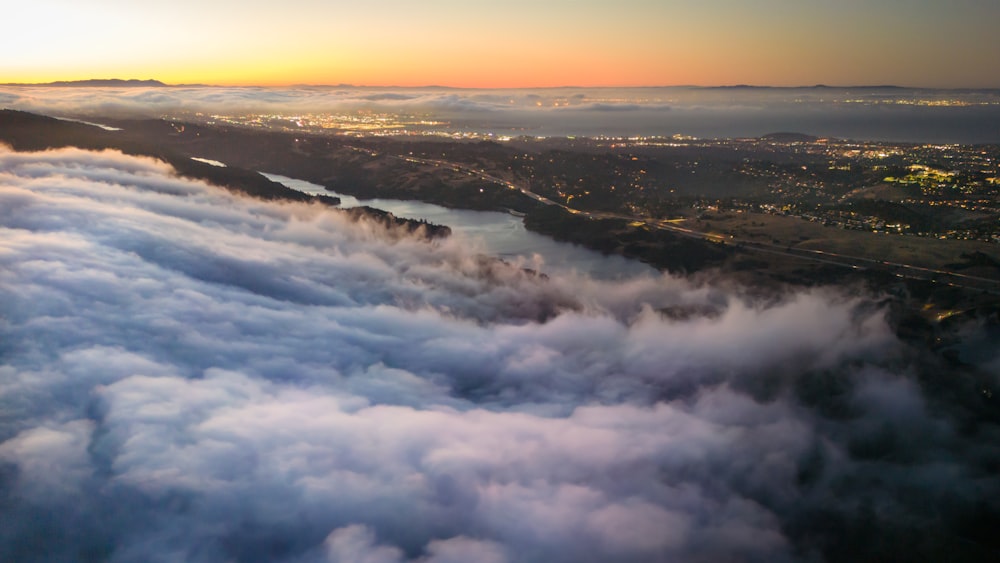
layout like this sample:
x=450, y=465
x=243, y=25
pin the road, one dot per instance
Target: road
x=901, y=270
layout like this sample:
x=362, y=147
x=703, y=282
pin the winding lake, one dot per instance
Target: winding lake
x=500, y=234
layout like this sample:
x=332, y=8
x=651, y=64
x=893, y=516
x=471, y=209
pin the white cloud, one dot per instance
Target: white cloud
x=190, y=374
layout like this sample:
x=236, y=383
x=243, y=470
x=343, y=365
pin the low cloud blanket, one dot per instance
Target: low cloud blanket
x=187, y=374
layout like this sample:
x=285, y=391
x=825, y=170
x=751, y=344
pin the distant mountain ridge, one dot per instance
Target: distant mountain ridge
x=814, y=87
x=789, y=137
x=99, y=82
x=151, y=83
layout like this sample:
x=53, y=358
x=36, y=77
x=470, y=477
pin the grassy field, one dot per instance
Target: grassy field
x=795, y=233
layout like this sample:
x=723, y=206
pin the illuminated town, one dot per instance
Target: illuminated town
x=359, y=123
x=930, y=190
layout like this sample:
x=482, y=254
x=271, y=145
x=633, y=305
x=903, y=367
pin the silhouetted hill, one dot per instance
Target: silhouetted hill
x=25, y=131
x=30, y=132
x=813, y=87
x=100, y=83
x=788, y=137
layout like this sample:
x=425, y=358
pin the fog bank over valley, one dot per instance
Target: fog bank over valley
x=191, y=374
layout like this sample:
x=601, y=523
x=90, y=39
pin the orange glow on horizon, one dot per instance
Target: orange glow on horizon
x=382, y=77
x=522, y=70
x=518, y=44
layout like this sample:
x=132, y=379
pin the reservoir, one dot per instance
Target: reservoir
x=498, y=234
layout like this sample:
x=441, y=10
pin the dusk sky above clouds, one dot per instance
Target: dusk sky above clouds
x=192, y=374
x=506, y=44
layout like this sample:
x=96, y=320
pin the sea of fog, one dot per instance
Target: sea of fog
x=869, y=113
x=191, y=374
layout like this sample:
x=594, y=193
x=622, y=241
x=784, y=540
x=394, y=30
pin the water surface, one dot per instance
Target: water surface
x=500, y=234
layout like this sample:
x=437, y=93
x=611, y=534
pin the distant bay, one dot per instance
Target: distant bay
x=873, y=113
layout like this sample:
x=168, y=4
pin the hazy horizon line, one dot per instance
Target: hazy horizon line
x=149, y=82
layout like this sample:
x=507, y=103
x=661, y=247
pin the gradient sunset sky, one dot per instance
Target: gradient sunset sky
x=467, y=43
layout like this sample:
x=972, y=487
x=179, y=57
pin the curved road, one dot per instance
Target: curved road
x=909, y=271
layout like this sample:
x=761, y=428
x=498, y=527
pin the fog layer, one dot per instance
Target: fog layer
x=188, y=374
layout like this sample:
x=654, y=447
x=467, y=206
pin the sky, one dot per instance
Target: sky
x=510, y=44
x=187, y=374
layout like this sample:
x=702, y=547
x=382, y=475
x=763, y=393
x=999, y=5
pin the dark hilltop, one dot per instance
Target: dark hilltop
x=99, y=83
